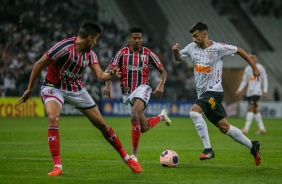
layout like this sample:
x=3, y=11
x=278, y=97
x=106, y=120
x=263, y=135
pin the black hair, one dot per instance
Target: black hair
x=136, y=29
x=89, y=28
x=199, y=26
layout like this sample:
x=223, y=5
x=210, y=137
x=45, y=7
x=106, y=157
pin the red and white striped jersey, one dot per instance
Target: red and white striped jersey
x=134, y=67
x=67, y=66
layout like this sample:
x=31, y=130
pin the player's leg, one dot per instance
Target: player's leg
x=53, y=101
x=259, y=121
x=249, y=118
x=196, y=114
x=239, y=137
x=137, y=112
x=95, y=117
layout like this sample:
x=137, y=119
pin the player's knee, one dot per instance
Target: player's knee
x=53, y=119
x=134, y=117
x=194, y=115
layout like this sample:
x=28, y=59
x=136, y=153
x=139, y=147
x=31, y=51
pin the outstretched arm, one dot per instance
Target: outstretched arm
x=36, y=70
x=102, y=76
x=247, y=58
x=107, y=89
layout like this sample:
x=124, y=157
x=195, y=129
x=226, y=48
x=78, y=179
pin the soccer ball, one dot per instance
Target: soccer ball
x=169, y=158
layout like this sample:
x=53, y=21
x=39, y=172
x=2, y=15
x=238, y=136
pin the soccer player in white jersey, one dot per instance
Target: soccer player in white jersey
x=133, y=61
x=65, y=63
x=255, y=90
x=207, y=60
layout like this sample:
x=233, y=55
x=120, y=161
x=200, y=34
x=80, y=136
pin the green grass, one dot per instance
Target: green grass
x=88, y=158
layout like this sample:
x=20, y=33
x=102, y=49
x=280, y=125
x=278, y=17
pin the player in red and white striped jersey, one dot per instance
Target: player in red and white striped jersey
x=65, y=63
x=133, y=61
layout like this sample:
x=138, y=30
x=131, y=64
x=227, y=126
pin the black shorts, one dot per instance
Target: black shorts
x=254, y=100
x=211, y=103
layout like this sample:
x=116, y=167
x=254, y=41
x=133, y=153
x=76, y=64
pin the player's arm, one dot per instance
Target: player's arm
x=160, y=89
x=107, y=89
x=264, y=83
x=247, y=58
x=175, y=50
x=243, y=83
x=36, y=70
x=103, y=76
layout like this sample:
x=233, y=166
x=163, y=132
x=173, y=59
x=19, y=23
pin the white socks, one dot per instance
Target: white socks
x=249, y=119
x=201, y=128
x=259, y=121
x=238, y=136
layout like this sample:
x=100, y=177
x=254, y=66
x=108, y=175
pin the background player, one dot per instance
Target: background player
x=133, y=61
x=255, y=90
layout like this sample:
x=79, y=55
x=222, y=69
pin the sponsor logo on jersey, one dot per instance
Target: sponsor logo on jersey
x=135, y=68
x=203, y=68
x=69, y=74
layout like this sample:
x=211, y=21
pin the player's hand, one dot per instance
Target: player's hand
x=256, y=73
x=115, y=72
x=263, y=96
x=159, y=92
x=237, y=93
x=175, y=48
x=25, y=96
x=107, y=91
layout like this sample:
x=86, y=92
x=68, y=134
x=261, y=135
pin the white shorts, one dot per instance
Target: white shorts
x=80, y=99
x=143, y=92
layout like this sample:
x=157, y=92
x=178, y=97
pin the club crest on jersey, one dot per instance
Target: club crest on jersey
x=143, y=57
x=85, y=63
x=210, y=55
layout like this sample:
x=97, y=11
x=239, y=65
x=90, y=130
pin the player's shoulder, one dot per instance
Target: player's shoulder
x=125, y=48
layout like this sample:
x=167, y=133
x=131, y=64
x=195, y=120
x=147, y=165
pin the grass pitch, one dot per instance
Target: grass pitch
x=88, y=158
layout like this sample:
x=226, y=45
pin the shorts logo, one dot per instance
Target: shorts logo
x=51, y=91
x=212, y=102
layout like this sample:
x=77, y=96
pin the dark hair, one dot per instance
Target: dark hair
x=198, y=26
x=89, y=28
x=136, y=29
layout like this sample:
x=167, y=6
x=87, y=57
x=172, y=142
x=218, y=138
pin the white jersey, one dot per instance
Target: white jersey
x=255, y=87
x=208, y=64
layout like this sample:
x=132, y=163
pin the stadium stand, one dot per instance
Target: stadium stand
x=26, y=31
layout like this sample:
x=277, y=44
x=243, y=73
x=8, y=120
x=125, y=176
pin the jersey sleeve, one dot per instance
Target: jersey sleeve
x=59, y=50
x=186, y=52
x=154, y=59
x=226, y=50
x=93, y=59
x=244, y=81
x=115, y=60
x=264, y=79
